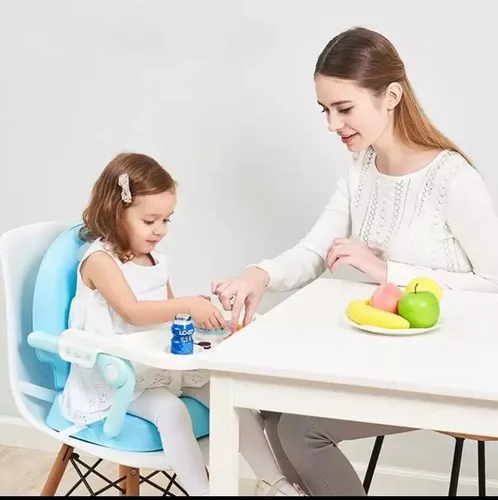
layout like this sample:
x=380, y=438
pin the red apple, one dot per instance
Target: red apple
x=386, y=297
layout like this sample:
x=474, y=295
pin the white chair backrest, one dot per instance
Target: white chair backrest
x=21, y=252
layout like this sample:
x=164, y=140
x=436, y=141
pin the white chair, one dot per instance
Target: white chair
x=39, y=270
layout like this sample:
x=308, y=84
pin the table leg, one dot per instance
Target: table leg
x=223, y=438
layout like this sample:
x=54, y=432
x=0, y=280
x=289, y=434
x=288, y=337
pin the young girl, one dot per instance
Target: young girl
x=410, y=204
x=123, y=287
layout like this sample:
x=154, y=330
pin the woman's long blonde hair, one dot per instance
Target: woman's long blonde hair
x=371, y=60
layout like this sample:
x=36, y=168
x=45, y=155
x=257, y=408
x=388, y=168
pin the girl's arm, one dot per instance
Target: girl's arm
x=99, y=271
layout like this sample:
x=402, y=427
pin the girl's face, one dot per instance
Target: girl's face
x=146, y=220
x=359, y=118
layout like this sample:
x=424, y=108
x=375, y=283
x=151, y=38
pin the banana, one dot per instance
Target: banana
x=360, y=311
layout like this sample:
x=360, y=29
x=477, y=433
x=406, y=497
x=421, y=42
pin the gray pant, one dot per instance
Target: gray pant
x=307, y=452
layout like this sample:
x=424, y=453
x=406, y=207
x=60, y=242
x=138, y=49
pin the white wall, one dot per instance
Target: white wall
x=221, y=92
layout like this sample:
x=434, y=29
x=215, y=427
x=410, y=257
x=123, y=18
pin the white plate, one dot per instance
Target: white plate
x=391, y=331
x=221, y=331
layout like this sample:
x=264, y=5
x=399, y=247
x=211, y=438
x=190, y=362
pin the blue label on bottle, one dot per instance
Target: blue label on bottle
x=182, y=339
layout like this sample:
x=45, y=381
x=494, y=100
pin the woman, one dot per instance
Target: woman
x=410, y=204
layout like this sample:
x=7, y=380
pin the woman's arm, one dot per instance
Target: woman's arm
x=306, y=261
x=473, y=220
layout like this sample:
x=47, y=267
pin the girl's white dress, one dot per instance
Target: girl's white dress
x=87, y=397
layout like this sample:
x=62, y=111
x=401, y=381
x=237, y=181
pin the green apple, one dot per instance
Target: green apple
x=420, y=309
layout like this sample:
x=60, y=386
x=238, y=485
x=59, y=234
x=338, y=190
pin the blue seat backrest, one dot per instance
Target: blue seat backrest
x=55, y=288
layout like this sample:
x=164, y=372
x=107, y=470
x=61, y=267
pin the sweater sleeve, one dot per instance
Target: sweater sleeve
x=473, y=221
x=306, y=261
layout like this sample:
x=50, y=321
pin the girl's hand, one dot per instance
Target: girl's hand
x=357, y=254
x=206, y=315
x=246, y=290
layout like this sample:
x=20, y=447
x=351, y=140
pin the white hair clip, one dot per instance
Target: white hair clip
x=124, y=182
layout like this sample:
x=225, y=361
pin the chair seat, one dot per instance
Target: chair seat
x=471, y=437
x=137, y=434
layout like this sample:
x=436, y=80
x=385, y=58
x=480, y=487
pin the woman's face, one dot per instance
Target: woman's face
x=354, y=113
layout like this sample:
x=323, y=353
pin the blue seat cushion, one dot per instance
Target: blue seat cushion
x=55, y=287
x=137, y=434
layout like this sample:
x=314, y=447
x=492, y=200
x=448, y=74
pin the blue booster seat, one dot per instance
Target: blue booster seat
x=54, y=290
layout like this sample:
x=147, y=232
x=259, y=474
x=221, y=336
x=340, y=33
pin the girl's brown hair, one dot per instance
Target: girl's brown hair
x=103, y=217
x=372, y=61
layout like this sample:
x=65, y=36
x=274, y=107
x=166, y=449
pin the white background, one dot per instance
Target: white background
x=221, y=93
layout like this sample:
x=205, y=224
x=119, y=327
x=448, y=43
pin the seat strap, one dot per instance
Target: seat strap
x=38, y=392
x=72, y=429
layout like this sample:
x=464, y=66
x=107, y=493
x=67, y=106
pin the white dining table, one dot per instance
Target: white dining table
x=303, y=357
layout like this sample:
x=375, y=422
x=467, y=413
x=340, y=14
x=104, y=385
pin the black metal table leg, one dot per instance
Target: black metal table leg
x=372, y=463
x=455, y=470
x=481, y=468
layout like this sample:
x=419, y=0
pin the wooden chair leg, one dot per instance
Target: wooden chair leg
x=132, y=480
x=122, y=474
x=57, y=471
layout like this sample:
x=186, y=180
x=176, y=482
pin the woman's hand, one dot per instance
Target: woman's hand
x=357, y=254
x=246, y=290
